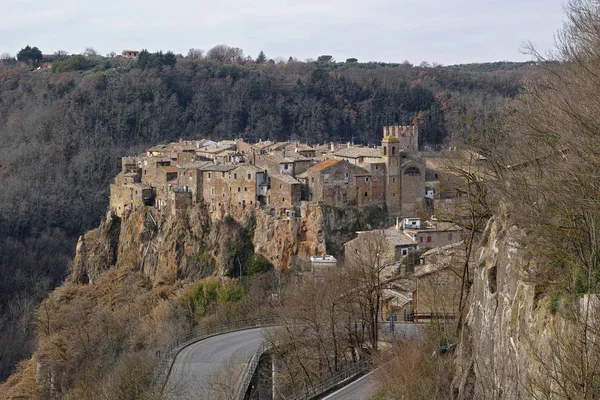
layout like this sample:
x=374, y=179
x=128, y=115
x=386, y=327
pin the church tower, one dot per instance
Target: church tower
x=393, y=185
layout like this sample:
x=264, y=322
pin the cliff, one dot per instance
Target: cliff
x=513, y=343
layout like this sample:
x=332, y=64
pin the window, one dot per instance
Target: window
x=285, y=166
x=209, y=175
x=245, y=189
x=280, y=186
x=234, y=176
x=450, y=236
x=377, y=167
x=428, y=239
x=366, y=194
x=190, y=174
x=325, y=178
x=239, y=190
x=404, y=252
x=346, y=178
x=212, y=191
x=283, y=199
x=393, y=150
x=312, y=180
x=367, y=179
x=344, y=197
x=421, y=239
x=385, y=151
x=394, y=180
x=222, y=174
x=249, y=176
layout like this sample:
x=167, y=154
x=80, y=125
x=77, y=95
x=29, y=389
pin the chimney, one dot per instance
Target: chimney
x=349, y=144
x=332, y=147
x=397, y=223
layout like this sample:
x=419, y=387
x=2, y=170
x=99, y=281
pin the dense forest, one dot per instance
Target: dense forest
x=64, y=129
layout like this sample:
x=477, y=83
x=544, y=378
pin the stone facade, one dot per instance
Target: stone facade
x=285, y=192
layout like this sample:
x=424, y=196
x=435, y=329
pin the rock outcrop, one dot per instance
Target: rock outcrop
x=512, y=346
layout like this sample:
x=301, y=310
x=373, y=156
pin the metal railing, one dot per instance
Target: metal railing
x=202, y=332
x=340, y=377
x=249, y=372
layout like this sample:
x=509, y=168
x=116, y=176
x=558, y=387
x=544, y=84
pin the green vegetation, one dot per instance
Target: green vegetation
x=31, y=55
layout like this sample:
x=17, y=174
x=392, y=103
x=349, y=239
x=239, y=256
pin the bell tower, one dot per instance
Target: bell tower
x=393, y=185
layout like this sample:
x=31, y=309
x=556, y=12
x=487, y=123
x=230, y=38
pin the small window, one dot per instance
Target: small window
x=212, y=190
x=325, y=178
x=377, y=167
x=450, y=236
x=245, y=189
x=222, y=174
x=393, y=150
x=385, y=151
x=428, y=239
x=344, y=197
x=283, y=199
x=234, y=176
x=239, y=190
x=367, y=179
x=312, y=180
x=285, y=166
x=209, y=175
x=394, y=180
x=421, y=239
x=280, y=186
x=404, y=252
x=249, y=176
x=366, y=194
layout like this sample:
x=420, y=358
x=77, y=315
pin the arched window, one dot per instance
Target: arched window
x=384, y=151
x=412, y=171
x=393, y=150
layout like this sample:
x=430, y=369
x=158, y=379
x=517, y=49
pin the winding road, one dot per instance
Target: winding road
x=212, y=368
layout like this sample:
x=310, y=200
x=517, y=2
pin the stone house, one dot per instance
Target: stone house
x=438, y=282
x=284, y=191
x=338, y=183
x=129, y=196
x=432, y=233
x=284, y=163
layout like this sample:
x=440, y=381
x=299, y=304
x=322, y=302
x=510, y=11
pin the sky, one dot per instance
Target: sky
x=442, y=31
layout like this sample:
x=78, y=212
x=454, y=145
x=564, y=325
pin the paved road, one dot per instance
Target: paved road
x=360, y=389
x=211, y=368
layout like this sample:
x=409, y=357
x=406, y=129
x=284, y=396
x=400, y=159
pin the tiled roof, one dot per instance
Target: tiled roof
x=324, y=165
x=218, y=167
x=356, y=152
x=285, y=178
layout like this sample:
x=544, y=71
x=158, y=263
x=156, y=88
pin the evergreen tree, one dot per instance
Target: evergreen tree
x=29, y=54
x=261, y=58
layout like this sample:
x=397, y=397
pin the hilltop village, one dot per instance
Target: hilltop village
x=233, y=176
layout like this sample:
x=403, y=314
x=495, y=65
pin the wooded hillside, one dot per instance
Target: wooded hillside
x=62, y=135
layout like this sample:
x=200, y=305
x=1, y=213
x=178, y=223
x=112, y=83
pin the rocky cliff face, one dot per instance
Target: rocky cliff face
x=511, y=345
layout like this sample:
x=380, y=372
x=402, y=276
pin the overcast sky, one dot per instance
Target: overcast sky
x=444, y=31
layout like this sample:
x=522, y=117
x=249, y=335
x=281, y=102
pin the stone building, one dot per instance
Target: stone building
x=408, y=137
x=338, y=183
x=129, y=196
x=432, y=233
x=283, y=162
x=285, y=191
